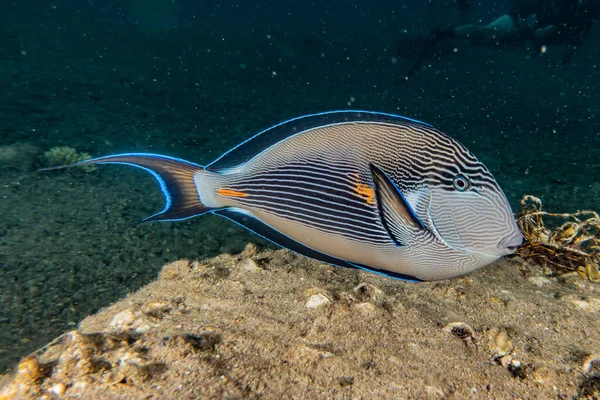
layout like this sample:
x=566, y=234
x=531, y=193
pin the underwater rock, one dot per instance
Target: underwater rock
x=77, y=361
x=499, y=342
x=591, y=305
x=591, y=365
x=212, y=334
x=462, y=331
x=128, y=321
x=368, y=292
x=248, y=265
x=318, y=300
x=539, y=280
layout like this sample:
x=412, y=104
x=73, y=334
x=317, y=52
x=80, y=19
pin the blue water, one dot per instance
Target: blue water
x=192, y=79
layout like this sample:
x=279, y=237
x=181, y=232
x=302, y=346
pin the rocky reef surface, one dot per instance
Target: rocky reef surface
x=272, y=324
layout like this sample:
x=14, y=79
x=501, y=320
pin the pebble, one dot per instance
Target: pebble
x=509, y=362
x=58, y=389
x=539, y=280
x=589, y=363
x=591, y=304
x=500, y=342
x=122, y=320
x=126, y=320
x=248, y=265
x=366, y=291
x=318, y=300
x=461, y=330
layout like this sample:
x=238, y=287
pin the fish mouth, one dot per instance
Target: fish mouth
x=510, y=243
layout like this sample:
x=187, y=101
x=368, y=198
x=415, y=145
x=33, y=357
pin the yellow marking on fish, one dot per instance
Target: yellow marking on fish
x=231, y=193
x=366, y=192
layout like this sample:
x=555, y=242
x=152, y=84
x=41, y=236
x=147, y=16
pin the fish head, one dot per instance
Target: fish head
x=468, y=212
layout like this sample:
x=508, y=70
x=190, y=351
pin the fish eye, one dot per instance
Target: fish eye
x=461, y=183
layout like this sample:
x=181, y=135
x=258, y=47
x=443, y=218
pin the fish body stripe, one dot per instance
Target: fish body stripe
x=347, y=228
x=324, y=199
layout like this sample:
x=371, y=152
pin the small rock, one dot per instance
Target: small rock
x=317, y=300
x=511, y=364
x=248, y=265
x=122, y=320
x=591, y=304
x=346, y=380
x=462, y=331
x=58, y=389
x=366, y=291
x=591, y=363
x=539, y=280
x=506, y=361
x=127, y=321
x=500, y=342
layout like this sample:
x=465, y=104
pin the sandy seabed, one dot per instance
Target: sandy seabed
x=275, y=325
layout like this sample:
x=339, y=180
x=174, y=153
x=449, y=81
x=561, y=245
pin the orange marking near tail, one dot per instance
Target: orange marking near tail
x=366, y=192
x=231, y=193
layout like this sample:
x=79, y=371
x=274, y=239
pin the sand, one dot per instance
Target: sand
x=103, y=86
x=275, y=325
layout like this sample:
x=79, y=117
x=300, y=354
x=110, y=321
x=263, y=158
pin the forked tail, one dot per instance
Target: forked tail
x=175, y=177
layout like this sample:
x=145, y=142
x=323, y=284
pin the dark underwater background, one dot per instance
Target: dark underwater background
x=191, y=79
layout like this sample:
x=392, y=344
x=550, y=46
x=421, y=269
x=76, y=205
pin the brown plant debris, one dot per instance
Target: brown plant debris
x=561, y=242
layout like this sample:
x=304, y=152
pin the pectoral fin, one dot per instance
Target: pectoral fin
x=397, y=216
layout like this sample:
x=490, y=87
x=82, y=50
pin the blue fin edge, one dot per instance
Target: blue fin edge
x=161, y=182
x=211, y=165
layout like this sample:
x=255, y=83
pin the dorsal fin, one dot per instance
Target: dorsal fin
x=269, y=137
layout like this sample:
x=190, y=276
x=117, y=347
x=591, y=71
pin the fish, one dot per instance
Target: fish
x=357, y=189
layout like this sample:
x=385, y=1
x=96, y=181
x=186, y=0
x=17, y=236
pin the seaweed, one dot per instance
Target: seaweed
x=563, y=243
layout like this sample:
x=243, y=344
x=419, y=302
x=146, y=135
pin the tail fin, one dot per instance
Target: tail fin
x=175, y=177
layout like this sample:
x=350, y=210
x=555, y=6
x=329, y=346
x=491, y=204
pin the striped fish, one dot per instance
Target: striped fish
x=356, y=189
